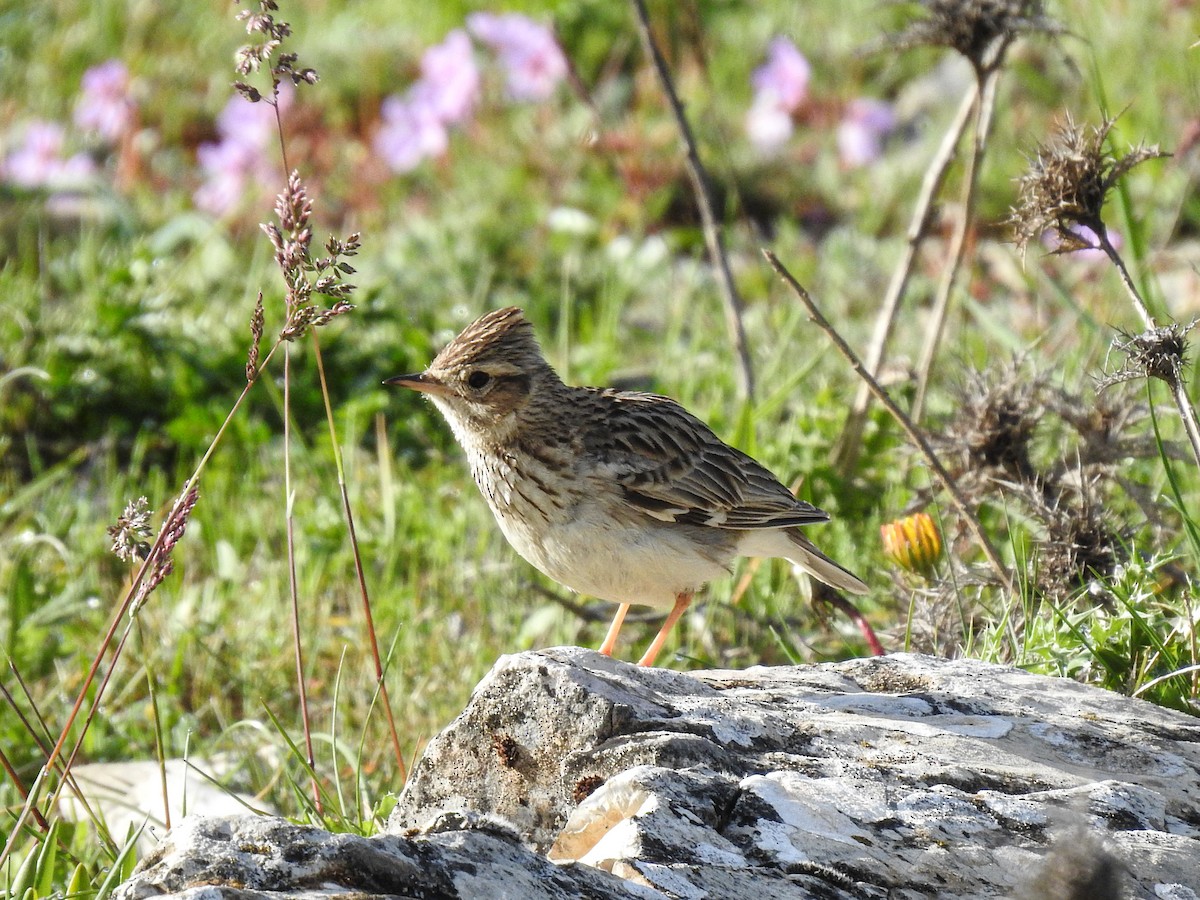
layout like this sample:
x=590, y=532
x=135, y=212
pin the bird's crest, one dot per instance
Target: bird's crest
x=502, y=335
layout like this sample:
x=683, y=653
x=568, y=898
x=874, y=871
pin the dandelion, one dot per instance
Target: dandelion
x=861, y=132
x=105, y=106
x=913, y=543
x=534, y=63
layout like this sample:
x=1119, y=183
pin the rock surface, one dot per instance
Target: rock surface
x=899, y=777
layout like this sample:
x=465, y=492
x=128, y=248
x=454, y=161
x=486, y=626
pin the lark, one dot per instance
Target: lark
x=620, y=495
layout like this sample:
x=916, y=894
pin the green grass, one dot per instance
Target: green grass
x=124, y=336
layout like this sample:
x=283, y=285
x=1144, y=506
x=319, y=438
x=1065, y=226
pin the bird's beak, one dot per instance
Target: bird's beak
x=422, y=382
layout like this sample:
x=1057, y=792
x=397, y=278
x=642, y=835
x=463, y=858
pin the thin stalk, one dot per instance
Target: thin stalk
x=850, y=442
x=708, y=220
x=159, y=743
x=358, y=564
x=293, y=589
x=16, y=779
x=42, y=740
x=1187, y=412
x=101, y=827
x=914, y=434
x=1139, y=304
x=985, y=112
x=151, y=558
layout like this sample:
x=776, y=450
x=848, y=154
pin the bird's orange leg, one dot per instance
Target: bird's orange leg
x=651, y=654
x=610, y=639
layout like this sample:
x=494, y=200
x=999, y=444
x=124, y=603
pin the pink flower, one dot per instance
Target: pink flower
x=1052, y=241
x=104, y=105
x=784, y=76
x=411, y=132
x=39, y=161
x=780, y=88
x=534, y=63
x=768, y=125
x=449, y=83
x=240, y=162
x=865, y=123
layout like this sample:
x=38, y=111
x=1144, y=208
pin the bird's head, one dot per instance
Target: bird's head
x=484, y=378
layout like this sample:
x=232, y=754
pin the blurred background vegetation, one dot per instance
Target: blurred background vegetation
x=125, y=326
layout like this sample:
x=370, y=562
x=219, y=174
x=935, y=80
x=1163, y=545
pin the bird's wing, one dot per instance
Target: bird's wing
x=671, y=466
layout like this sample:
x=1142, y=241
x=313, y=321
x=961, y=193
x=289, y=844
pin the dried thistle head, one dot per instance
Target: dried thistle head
x=980, y=30
x=1156, y=353
x=1078, y=544
x=1067, y=184
x=131, y=532
x=994, y=426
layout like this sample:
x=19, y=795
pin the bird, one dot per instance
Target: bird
x=620, y=495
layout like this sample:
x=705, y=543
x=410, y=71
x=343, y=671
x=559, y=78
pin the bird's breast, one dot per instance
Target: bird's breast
x=573, y=527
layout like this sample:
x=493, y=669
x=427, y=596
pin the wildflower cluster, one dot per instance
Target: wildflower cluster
x=415, y=125
x=241, y=158
x=781, y=87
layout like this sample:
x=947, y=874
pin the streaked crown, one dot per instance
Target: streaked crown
x=503, y=338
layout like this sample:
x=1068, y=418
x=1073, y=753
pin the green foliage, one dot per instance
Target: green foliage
x=126, y=326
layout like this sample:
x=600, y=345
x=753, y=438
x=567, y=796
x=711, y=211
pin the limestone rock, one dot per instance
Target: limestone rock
x=901, y=774
x=573, y=775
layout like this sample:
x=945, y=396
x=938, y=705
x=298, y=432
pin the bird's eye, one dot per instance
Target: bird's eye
x=478, y=380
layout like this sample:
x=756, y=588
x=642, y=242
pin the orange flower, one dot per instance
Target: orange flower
x=913, y=543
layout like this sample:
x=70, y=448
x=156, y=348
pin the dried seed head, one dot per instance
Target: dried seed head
x=1078, y=545
x=1067, y=183
x=996, y=419
x=254, y=57
x=256, y=333
x=131, y=532
x=980, y=30
x=172, y=530
x=1157, y=353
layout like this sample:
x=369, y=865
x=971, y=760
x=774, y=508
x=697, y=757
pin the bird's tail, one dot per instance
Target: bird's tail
x=804, y=553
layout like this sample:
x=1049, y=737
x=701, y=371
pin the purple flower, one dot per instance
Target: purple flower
x=865, y=123
x=104, y=105
x=411, y=132
x=236, y=165
x=39, y=162
x=449, y=83
x=780, y=88
x=1052, y=241
x=534, y=64
x=784, y=76
x=768, y=125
